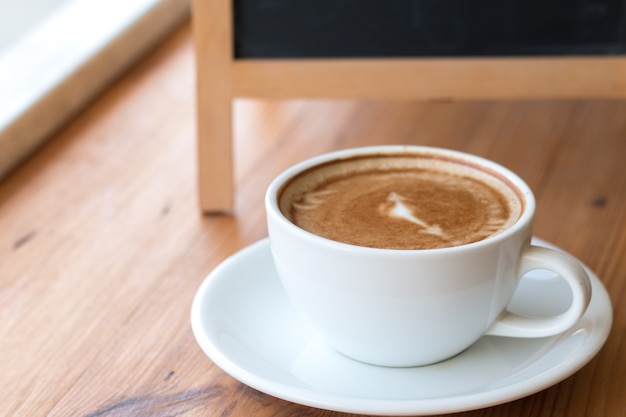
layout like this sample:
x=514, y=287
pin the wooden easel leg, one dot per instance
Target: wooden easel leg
x=214, y=56
x=215, y=157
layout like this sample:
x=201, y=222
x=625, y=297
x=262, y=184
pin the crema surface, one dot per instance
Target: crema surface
x=386, y=203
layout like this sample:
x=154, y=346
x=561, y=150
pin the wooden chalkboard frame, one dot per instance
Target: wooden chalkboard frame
x=221, y=78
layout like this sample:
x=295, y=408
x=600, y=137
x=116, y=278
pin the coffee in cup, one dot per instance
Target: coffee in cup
x=407, y=255
x=416, y=201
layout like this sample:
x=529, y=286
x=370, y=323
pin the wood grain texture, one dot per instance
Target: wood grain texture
x=102, y=244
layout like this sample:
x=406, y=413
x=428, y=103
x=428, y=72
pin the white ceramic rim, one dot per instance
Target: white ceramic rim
x=273, y=211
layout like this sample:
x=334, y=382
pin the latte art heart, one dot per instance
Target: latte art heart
x=397, y=207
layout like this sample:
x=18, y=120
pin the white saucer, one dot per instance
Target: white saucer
x=243, y=321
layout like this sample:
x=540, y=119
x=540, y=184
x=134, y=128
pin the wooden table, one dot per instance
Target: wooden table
x=102, y=243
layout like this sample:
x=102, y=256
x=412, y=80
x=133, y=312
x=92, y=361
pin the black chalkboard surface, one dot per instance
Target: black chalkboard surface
x=421, y=28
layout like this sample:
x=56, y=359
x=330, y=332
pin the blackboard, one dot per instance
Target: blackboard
x=427, y=28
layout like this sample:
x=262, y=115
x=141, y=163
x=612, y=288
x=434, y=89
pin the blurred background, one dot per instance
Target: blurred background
x=57, y=55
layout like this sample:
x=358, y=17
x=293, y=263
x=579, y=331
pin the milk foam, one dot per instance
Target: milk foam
x=401, y=202
x=397, y=207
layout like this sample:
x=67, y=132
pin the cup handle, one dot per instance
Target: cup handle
x=538, y=257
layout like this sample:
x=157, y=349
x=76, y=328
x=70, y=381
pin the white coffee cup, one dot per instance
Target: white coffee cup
x=399, y=307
